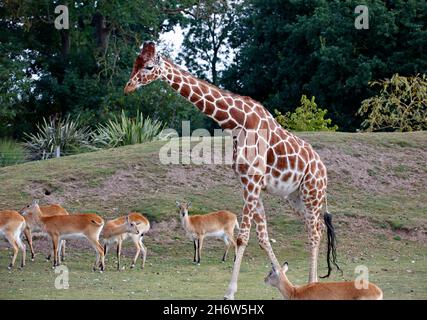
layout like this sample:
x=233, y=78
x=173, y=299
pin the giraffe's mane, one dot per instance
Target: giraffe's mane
x=224, y=92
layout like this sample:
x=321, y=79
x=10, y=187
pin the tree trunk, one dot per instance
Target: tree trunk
x=58, y=152
x=65, y=42
x=101, y=30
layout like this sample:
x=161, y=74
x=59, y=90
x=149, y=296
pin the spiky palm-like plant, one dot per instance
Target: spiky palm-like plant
x=123, y=130
x=56, y=137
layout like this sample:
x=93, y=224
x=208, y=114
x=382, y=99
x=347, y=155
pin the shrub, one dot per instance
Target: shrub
x=401, y=105
x=11, y=153
x=123, y=130
x=307, y=117
x=58, y=136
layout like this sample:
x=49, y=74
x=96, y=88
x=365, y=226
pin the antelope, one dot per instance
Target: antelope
x=345, y=290
x=132, y=226
x=47, y=211
x=12, y=224
x=219, y=224
x=88, y=225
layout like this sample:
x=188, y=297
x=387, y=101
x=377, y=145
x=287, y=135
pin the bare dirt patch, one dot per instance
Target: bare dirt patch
x=375, y=169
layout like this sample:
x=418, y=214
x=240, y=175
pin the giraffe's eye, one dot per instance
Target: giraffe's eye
x=149, y=68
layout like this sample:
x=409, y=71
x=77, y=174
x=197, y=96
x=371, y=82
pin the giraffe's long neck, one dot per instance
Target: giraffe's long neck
x=212, y=101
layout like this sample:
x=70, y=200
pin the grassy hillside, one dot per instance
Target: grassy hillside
x=377, y=194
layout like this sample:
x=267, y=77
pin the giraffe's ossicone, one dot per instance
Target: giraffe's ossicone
x=266, y=157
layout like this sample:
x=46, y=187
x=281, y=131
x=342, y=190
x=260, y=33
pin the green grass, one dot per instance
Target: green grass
x=374, y=221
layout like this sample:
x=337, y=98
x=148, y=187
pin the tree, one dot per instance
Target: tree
x=45, y=71
x=307, y=117
x=286, y=48
x=206, y=40
x=401, y=105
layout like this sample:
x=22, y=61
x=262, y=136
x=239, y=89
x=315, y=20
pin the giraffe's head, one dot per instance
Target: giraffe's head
x=146, y=68
x=273, y=278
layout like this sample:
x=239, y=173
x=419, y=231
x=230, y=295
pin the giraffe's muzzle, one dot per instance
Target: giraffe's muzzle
x=129, y=88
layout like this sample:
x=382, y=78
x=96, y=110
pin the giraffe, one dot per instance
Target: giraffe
x=265, y=157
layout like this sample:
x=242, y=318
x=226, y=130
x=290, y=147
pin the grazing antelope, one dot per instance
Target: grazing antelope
x=12, y=224
x=87, y=225
x=219, y=224
x=132, y=226
x=345, y=290
x=32, y=226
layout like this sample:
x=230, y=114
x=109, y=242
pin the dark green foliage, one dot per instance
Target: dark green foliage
x=46, y=71
x=285, y=48
x=294, y=47
x=206, y=47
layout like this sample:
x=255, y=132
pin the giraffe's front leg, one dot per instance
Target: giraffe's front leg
x=262, y=234
x=251, y=197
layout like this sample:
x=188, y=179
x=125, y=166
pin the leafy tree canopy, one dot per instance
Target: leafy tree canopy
x=81, y=70
x=401, y=105
x=307, y=117
x=291, y=47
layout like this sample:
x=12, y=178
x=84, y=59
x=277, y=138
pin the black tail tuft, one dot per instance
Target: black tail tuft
x=331, y=244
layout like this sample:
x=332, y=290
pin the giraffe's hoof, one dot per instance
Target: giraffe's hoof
x=229, y=297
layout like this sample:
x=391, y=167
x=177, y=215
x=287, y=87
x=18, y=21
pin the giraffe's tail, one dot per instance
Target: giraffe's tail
x=331, y=257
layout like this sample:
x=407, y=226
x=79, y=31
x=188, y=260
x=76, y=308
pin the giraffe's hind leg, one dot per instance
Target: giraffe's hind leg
x=309, y=210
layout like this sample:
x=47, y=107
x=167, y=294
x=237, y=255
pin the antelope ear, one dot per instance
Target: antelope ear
x=127, y=219
x=189, y=204
x=178, y=204
x=273, y=268
x=285, y=267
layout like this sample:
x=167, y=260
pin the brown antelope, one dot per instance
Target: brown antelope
x=47, y=211
x=132, y=226
x=345, y=290
x=219, y=224
x=12, y=224
x=88, y=225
